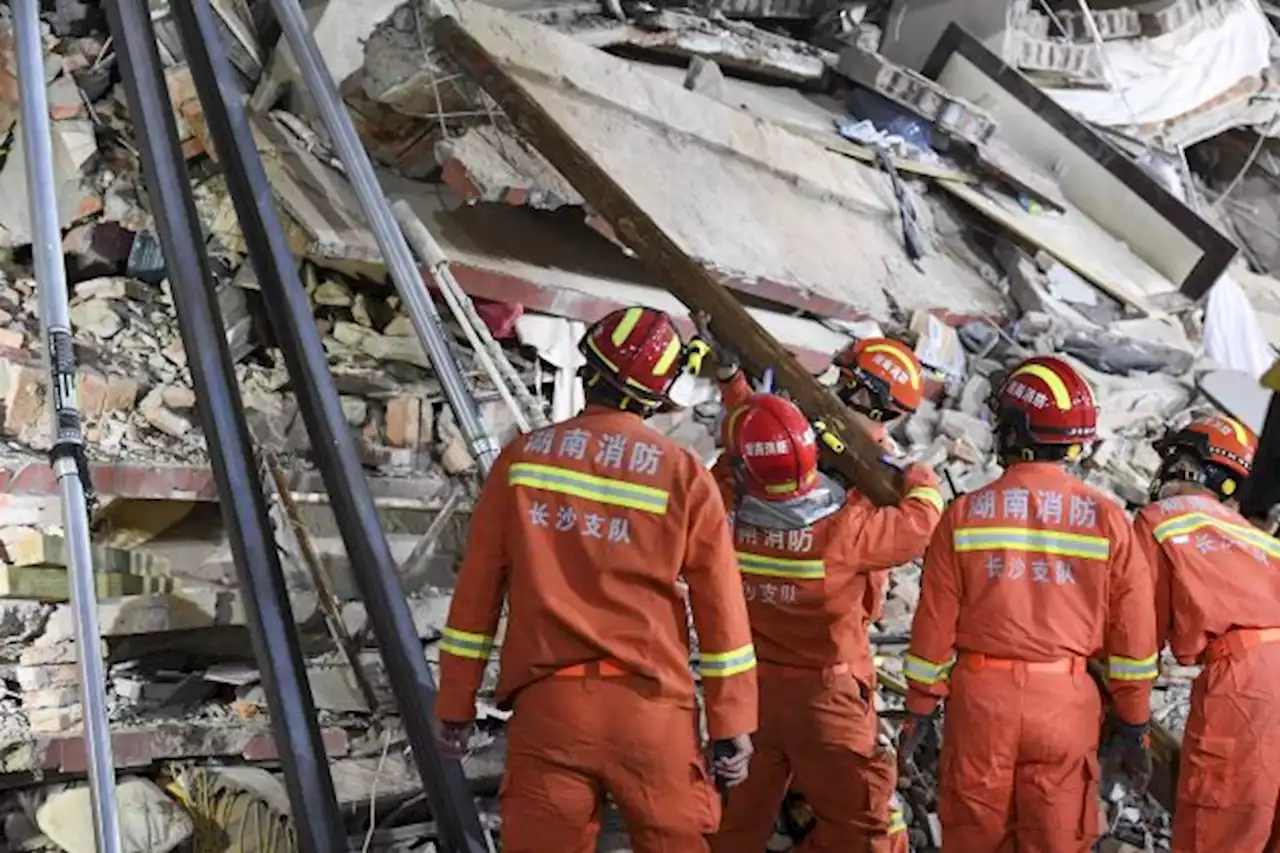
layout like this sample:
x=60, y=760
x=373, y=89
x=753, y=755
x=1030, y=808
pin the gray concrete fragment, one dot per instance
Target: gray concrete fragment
x=704, y=77
x=958, y=425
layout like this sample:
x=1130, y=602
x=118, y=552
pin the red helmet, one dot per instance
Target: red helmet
x=1216, y=439
x=636, y=350
x=1048, y=402
x=775, y=446
x=885, y=368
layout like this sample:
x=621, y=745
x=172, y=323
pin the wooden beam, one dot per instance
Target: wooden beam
x=687, y=279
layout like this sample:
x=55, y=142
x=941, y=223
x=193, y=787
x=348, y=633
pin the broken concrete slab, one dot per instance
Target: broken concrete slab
x=787, y=192
x=74, y=143
x=485, y=164
x=734, y=45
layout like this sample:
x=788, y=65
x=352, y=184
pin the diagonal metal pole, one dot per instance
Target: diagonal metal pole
x=69, y=463
x=334, y=449
x=395, y=251
x=242, y=501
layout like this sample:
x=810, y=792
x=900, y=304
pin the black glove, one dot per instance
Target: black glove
x=725, y=359
x=1125, y=749
x=918, y=736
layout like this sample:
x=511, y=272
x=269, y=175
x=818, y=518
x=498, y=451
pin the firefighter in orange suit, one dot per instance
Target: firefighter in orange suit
x=805, y=550
x=880, y=379
x=1218, y=603
x=1025, y=580
x=586, y=527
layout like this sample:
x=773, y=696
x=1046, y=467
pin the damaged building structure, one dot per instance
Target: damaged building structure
x=986, y=179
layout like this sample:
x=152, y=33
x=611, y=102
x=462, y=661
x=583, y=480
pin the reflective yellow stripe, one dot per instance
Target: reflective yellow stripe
x=924, y=671
x=901, y=358
x=1241, y=435
x=1184, y=525
x=1061, y=397
x=1132, y=669
x=1037, y=541
x=725, y=664
x=564, y=481
x=668, y=358
x=780, y=567
x=462, y=644
x=897, y=822
x=927, y=494
x=607, y=363
x=626, y=326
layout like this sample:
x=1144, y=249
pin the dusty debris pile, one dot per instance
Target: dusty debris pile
x=837, y=166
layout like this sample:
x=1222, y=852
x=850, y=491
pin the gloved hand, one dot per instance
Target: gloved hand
x=731, y=758
x=1126, y=748
x=452, y=737
x=726, y=360
x=919, y=733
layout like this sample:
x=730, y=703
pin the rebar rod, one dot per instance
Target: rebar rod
x=395, y=251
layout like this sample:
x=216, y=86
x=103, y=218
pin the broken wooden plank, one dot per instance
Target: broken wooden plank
x=688, y=279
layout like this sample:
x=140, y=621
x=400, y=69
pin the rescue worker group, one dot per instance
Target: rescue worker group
x=600, y=535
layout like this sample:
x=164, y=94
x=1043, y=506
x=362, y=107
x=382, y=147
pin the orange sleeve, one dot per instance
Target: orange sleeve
x=1131, y=629
x=477, y=601
x=884, y=537
x=933, y=630
x=727, y=658
x=734, y=391
x=1144, y=534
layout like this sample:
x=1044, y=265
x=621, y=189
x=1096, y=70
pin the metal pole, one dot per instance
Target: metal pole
x=404, y=272
x=243, y=504
x=335, y=452
x=70, y=466
x=489, y=351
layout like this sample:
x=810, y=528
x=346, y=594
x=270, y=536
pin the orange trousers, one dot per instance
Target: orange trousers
x=1229, y=779
x=1019, y=766
x=818, y=735
x=571, y=741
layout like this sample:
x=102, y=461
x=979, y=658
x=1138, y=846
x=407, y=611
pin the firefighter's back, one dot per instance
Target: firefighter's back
x=597, y=538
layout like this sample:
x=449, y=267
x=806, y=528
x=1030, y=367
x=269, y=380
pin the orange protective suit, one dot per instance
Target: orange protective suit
x=586, y=527
x=1025, y=579
x=733, y=393
x=1218, y=603
x=805, y=590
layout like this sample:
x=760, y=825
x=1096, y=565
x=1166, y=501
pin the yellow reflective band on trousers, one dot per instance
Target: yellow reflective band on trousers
x=725, y=664
x=564, y=481
x=1035, y=541
x=927, y=494
x=897, y=822
x=1184, y=525
x=1132, y=669
x=780, y=567
x=924, y=671
x=462, y=644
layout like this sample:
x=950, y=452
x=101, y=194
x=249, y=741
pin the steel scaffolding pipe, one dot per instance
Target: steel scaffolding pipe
x=290, y=311
x=243, y=505
x=395, y=251
x=70, y=466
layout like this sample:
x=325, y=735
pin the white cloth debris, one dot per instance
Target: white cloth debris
x=556, y=340
x=1233, y=337
x=1154, y=80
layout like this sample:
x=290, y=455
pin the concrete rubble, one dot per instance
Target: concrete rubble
x=737, y=152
